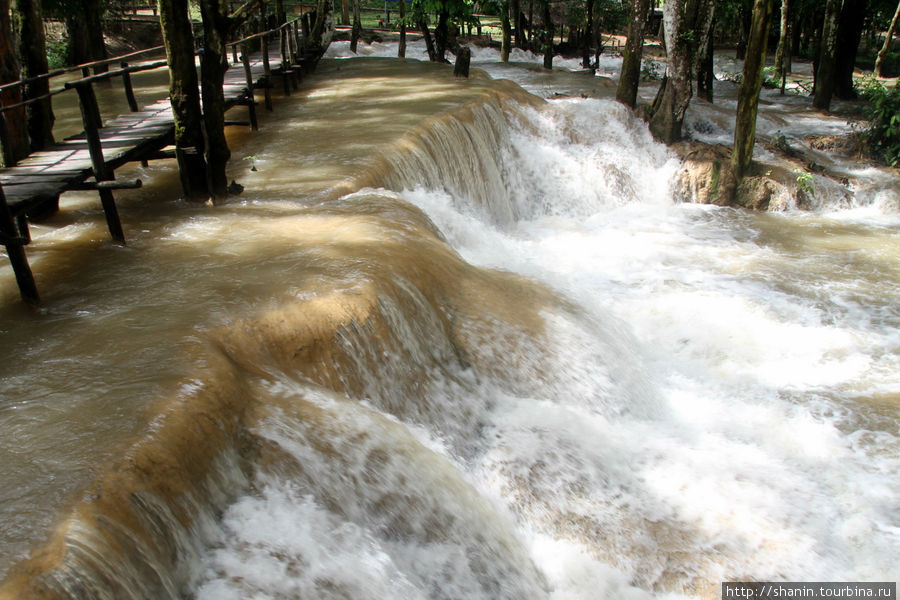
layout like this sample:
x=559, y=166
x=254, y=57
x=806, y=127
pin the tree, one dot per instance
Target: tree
x=588, y=39
x=184, y=95
x=548, y=36
x=13, y=134
x=686, y=23
x=401, y=48
x=515, y=12
x=357, y=27
x=825, y=71
x=783, y=50
x=84, y=24
x=629, y=79
x=751, y=83
x=217, y=29
x=29, y=26
x=849, y=35
x=506, y=42
x=879, y=60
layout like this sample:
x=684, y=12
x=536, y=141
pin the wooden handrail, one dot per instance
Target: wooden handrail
x=118, y=72
x=64, y=70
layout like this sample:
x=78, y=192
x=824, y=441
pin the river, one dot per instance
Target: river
x=455, y=340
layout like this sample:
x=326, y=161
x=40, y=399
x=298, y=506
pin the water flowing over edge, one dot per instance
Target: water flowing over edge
x=446, y=330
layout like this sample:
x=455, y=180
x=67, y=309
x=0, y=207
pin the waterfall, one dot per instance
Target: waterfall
x=488, y=357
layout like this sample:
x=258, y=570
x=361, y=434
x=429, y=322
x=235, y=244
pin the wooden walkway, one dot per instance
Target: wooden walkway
x=135, y=136
x=88, y=161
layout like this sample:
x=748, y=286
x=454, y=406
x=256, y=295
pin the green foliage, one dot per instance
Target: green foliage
x=57, y=53
x=650, y=69
x=883, y=112
x=805, y=183
x=770, y=78
x=611, y=15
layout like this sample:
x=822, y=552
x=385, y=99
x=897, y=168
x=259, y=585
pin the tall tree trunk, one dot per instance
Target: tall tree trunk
x=531, y=42
x=507, y=32
x=684, y=28
x=784, y=41
x=356, y=30
x=548, y=36
x=703, y=55
x=426, y=35
x=630, y=76
x=751, y=83
x=587, y=42
x=29, y=24
x=515, y=13
x=879, y=60
x=705, y=68
x=84, y=26
x=213, y=65
x=849, y=35
x=745, y=12
x=401, y=49
x=345, y=11
x=184, y=94
x=442, y=34
x=13, y=133
x=280, y=15
x=825, y=70
x=357, y=27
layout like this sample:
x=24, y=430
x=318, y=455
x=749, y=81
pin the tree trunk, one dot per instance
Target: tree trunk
x=184, y=95
x=783, y=38
x=751, y=83
x=401, y=49
x=849, y=35
x=29, y=24
x=630, y=76
x=825, y=70
x=345, y=11
x=441, y=34
x=703, y=56
x=507, y=32
x=684, y=28
x=13, y=133
x=530, y=22
x=589, y=35
x=84, y=26
x=426, y=35
x=548, y=36
x=357, y=27
x=515, y=15
x=745, y=11
x=213, y=64
x=879, y=60
x=705, y=69
x=280, y=15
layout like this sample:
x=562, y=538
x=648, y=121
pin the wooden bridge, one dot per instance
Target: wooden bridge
x=88, y=161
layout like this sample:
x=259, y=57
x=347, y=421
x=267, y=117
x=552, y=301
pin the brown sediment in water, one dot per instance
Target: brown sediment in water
x=136, y=527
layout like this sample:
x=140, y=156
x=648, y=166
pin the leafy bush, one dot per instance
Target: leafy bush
x=883, y=112
x=57, y=53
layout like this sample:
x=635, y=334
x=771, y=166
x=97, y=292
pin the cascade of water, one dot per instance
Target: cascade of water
x=523, y=373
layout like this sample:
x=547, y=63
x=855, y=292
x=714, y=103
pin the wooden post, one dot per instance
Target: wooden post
x=90, y=116
x=251, y=101
x=463, y=58
x=267, y=70
x=129, y=90
x=285, y=63
x=15, y=250
x=234, y=56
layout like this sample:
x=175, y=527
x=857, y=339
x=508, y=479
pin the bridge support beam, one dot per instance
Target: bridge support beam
x=15, y=250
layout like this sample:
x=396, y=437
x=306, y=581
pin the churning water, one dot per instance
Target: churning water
x=455, y=342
